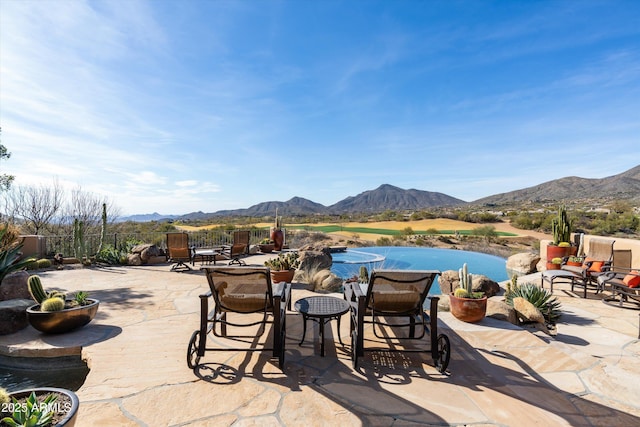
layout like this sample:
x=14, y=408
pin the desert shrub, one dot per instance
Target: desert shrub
x=9, y=238
x=110, y=255
x=383, y=241
x=542, y=299
x=486, y=231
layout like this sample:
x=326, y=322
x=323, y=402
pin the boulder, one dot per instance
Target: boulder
x=331, y=283
x=134, y=259
x=13, y=315
x=500, y=310
x=313, y=260
x=527, y=312
x=449, y=281
x=444, y=303
x=484, y=284
x=146, y=252
x=14, y=286
x=523, y=263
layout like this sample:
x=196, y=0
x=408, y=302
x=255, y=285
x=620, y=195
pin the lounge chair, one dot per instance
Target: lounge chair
x=597, y=261
x=247, y=294
x=178, y=251
x=391, y=294
x=239, y=248
x=624, y=281
x=625, y=288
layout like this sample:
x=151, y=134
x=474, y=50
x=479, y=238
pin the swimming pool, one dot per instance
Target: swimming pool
x=347, y=264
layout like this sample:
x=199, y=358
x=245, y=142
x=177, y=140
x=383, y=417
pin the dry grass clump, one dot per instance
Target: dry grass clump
x=10, y=238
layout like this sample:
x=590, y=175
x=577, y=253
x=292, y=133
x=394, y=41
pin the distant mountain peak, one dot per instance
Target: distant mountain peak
x=625, y=185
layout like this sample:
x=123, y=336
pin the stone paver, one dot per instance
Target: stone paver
x=500, y=375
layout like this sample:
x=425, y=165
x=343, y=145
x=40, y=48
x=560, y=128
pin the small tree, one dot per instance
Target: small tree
x=35, y=205
x=486, y=231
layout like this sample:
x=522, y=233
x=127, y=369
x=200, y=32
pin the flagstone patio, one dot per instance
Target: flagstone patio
x=500, y=374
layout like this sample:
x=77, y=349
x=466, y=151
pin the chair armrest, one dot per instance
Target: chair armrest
x=281, y=290
x=205, y=295
x=352, y=292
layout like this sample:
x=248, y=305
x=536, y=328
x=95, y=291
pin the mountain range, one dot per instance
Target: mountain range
x=625, y=186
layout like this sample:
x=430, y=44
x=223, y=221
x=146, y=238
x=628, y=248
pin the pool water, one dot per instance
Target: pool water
x=347, y=264
x=29, y=372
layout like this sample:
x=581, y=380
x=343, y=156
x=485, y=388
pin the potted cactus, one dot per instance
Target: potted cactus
x=561, y=228
x=467, y=305
x=54, y=313
x=277, y=235
x=266, y=246
x=283, y=267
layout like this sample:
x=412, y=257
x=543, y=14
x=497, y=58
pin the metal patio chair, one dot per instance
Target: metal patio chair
x=240, y=294
x=396, y=294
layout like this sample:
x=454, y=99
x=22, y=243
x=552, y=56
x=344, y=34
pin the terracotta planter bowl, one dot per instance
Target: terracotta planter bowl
x=266, y=248
x=282, y=276
x=468, y=309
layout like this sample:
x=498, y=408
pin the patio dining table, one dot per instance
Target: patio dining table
x=207, y=255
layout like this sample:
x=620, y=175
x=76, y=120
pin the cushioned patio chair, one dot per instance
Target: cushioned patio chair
x=623, y=281
x=597, y=261
x=178, y=251
x=243, y=297
x=396, y=294
x=239, y=248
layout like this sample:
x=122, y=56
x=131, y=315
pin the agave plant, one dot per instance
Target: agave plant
x=542, y=299
x=9, y=257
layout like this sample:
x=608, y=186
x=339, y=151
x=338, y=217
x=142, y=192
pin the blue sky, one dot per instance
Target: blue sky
x=181, y=106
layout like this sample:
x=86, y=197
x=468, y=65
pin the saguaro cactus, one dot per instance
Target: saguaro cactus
x=561, y=226
x=103, y=230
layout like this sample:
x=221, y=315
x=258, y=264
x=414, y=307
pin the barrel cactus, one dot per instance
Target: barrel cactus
x=52, y=304
x=36, y=290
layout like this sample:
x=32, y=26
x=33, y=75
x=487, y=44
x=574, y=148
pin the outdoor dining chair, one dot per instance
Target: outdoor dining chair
x=178, y=251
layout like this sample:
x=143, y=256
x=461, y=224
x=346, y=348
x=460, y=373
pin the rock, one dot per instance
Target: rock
x=13, y=315
x=312, y=248
x=527, y=312
x=15, y=286
x=500, y=310
x=314, y=260
x=146, y=252
x=523, y=263
x=134, y=259
x=484, y=284
x=449, y=281
x=444, y=303
x=331, y=283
